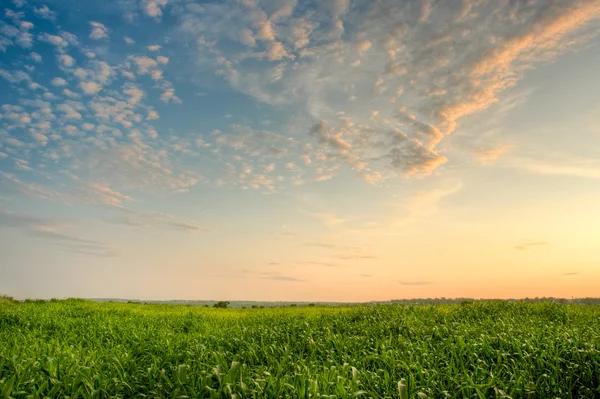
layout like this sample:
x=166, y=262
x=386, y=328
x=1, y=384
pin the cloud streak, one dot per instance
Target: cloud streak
x=531, y=245
x=46, y=230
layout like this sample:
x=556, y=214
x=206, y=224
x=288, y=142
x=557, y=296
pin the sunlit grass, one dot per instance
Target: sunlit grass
x=82, y=349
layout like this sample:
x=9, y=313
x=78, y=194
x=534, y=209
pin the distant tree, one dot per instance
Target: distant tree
x=311, y=304
x=293, y=305
x=8, y=298
x=221, y=304
x=254, y=307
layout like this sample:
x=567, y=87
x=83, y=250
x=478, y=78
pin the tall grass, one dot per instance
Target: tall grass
x=80, y=349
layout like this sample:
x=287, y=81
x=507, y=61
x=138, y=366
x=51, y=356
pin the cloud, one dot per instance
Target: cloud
x=530, y=245
x=487, y=155
x=155, y=220
x=247, y=38
x=66, y=60
x=54, y=40
x=272, y=276
x=436, y=74
x=153, y=8
x=105, y=195
x=128, y=40
x=427, y=203
x=74, y=244
x=363, y=46
x=328, y=219
x=35, y=57
x=90, y=88
x=265, y=30
x=370, y=177
x=169, y=95
x=144, y=64
x=44, y=12
x=135, y=94
x=278, y=52
x=317, y=263
x=154, y=47
x=571, y=274
x=40, y=138
x=414, y=283
x=70, y=94
x=343, y=252
x=584, y=168
x=59, y=82
x=99, y=31
x=47, y=230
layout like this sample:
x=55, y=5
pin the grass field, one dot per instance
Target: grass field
x=81, y=349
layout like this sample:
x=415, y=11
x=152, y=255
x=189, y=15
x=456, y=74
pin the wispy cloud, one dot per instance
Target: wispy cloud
x=418, y=81
x=486, y=155
x=157, y=220
x=47, y=230
x=99, y=31
x=267, y=275
x=328, y=219
x=414, y=283
x=531, y=245
x=589, y=169
x=317, y=263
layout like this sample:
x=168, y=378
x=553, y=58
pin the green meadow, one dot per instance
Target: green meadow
x=82, y=349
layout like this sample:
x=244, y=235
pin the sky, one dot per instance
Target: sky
x=330, y=150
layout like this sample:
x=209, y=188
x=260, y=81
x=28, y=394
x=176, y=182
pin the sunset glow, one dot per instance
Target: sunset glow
x=342, y=150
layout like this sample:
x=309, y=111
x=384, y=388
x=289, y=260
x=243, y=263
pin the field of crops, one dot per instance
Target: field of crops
x=81, y=349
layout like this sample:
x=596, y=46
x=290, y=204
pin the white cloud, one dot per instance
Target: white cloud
x=53, y=39
x=70, y=94
x=277, y=52
x=247, y=38
x=362, y=46
x=40, y=138
x=128, y=40
x=144, y=64
x=154, y=47
x=153, y=8
x=66, y=60
x=135, y=94
x=487, y=155
x=328, y=219
x=25, y=25
x=265, y=30
x=59, y=82
x=99, y=31
x=163, y=60
x=584, y=168
x=44, y=12
x=169, y=95
x=70, y=38
x=90, y=88
x=35, y=57
x=156, y=74
x=68, y=111
x=410, y=66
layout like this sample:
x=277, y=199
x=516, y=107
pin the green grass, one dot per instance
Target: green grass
x=81, y=349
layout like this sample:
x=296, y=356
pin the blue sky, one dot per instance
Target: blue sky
x=298, y=150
